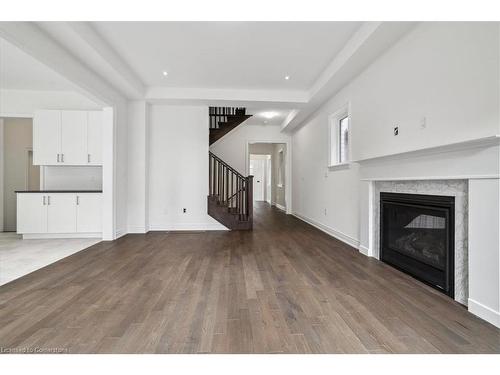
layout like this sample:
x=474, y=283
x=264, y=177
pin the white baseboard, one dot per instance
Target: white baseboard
x=137, y=229
x=279, y=206
x=364, y=250
x=120, y=233
x=43, y=236
x=187, y=226
x=484, y=312
x=353, y=242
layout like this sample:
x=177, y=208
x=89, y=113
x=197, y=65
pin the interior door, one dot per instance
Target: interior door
x=74, y=137
x=46, y=137
x=31, y=213
x=94, y=138
x=89, y=213
x=257, y=169
x=61, y=213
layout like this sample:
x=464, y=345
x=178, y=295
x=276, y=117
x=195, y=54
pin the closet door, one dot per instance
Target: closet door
x=73, y=138
x=47, y=137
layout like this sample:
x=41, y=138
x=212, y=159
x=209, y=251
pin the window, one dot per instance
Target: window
x=343, y=140
x=339, y=138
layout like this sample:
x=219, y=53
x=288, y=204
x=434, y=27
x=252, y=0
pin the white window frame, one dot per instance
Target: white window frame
x=334, y=137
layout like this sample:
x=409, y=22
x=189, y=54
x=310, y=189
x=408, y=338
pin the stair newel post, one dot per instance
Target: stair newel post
x=249, y=189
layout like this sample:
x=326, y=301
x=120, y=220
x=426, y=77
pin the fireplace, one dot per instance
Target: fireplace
x=417, y=237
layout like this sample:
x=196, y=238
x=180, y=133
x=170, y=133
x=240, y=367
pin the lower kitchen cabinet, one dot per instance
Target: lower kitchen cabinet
x=55, y=214
x=88, y=213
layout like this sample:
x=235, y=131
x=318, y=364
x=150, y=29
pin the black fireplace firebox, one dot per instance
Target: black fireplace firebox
x=417, y=237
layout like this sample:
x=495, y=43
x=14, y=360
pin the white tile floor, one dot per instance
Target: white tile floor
x=19, y=257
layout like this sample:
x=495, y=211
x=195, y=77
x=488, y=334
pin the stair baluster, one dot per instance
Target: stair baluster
x=231, y=191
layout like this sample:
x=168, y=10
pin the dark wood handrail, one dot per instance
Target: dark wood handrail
x=230, y=187
x=225, y=164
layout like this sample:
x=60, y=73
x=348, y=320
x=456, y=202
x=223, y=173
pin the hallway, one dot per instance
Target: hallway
x=284, y=287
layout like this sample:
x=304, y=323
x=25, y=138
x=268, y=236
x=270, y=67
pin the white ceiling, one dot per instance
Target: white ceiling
x=242, y=55
x=261, y=115
x=19, y=70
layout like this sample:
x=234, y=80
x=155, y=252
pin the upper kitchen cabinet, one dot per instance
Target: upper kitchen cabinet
x=67, y=137
x=73, y=138
x=47, y=137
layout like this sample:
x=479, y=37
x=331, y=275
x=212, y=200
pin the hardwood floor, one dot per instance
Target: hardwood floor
x=285, y=287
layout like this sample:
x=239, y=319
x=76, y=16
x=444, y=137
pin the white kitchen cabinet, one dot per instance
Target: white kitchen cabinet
x=63, y=137
x=73, y=138
x=46, y=137
x=94, y=138
x=88, y=213
x=61, y=213
x=31, y=213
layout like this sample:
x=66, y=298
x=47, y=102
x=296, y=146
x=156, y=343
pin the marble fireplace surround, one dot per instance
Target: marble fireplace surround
x=469, y=171
x=454, y=188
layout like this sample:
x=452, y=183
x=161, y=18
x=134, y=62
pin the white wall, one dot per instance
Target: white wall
x=71, y=178
x=445, y=72
x=23, y=103
x=121, y=166
x=178, y=165
x=138, y=167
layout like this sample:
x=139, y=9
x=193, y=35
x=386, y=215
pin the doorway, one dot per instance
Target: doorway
x=267, y=163
x=18, y=172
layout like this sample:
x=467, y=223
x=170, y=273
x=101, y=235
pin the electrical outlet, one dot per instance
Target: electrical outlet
x=396, y=130
x=184, y=210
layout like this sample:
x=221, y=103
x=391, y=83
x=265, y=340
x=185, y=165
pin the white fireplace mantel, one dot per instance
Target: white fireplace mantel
x=477, y=163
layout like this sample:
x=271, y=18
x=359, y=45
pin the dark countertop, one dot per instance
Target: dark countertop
x=58, y=191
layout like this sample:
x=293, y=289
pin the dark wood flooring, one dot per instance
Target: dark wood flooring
x=285, y=287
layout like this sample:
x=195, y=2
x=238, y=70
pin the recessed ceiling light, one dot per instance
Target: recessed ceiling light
x=268, y=115
x=287, y=77
x=165, y=73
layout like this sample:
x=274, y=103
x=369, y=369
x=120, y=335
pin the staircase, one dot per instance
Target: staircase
x=230, y=199
x=225, y=119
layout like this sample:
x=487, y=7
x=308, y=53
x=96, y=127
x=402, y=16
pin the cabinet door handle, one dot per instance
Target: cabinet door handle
x=48, y=200
x=58, y=158
x=88, y=158
x=44, y=200
x=77, y=200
